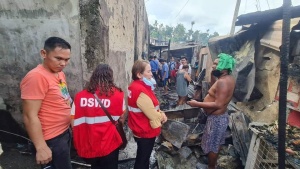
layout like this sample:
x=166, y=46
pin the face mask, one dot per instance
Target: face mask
x=216, y=73
x=148, y=83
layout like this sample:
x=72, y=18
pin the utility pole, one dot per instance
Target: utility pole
x=236, y=12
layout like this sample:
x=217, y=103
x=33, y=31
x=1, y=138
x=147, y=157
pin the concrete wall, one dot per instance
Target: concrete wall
x=24, y=26
x=121, y=39
x=109, y=31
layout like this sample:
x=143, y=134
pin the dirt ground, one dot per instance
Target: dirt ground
x=13, y=158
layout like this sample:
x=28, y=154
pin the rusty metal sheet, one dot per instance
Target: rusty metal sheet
x=293, y=94
x=294, y=118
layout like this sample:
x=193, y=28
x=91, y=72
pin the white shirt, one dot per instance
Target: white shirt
x=189, y=71
x=153, y=82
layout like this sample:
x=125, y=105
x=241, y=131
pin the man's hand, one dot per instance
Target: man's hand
x=34, y=129
x=43, y=155
x=192, y=103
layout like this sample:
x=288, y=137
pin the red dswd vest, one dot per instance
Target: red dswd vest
x=137, y=121
x=93, y=133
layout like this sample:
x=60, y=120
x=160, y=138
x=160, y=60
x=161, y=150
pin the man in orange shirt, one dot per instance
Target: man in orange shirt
x=46, y=106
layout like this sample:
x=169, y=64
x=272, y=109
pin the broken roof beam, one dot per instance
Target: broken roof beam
x=265, y=16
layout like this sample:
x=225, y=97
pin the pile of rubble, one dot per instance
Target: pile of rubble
x=179, y=143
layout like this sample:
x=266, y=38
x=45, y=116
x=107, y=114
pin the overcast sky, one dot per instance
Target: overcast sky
x=215, y=15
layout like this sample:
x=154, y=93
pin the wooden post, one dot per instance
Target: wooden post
x=236, y=12
x=160, y=52
x=168, y=57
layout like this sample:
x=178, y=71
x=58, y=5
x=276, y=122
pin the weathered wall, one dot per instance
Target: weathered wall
x=267, y=78
x=128, y=35
x=108, y=31
x=24, y=26
x=121, y=39
x=267, y=75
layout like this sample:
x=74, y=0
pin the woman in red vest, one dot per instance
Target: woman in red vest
x=144, y=117
x=95, y=136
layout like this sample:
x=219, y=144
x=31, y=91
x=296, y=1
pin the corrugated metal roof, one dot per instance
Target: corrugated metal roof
x=272, y=39
x=182, y=46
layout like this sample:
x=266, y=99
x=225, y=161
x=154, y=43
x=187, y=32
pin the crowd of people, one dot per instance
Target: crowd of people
x=51, y=117
x=175, y=73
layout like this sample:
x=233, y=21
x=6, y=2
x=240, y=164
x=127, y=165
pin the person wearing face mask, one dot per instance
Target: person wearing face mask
x=144, y=116
x=215, y=106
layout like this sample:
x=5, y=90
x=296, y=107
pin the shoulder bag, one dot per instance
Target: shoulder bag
x=117, y=123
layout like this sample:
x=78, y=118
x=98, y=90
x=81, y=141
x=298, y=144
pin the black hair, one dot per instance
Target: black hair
x=183, y=57
x=185, y=67
x=102, y=79
x=54, y=42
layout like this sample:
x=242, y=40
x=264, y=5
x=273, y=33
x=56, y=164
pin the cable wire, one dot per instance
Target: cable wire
x=257, y=5
x=16, y=135
x=268, y=4
x=182, y=8
x=245, y=6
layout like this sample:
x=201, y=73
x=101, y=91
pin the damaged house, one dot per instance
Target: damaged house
x=253, y=136
x=256, y=48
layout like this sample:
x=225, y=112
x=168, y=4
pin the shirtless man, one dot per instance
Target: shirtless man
x=215, y=106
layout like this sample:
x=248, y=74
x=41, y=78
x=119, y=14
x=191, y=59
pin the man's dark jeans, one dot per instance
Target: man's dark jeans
x=60, y=147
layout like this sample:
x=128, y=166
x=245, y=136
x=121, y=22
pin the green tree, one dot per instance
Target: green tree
x=161, y=32
x=203, y=38
x=154, y=30
x=192, y=23
x=196, y=36
x=155, y=24
x=179, y=33
x=169, y=32
x=190, y=34
x=214, y=35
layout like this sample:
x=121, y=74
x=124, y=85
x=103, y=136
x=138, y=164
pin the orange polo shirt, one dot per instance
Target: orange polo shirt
x=54, y=114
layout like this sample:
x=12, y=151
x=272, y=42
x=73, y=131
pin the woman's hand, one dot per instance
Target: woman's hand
x=164, y=118
x=122, y=119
